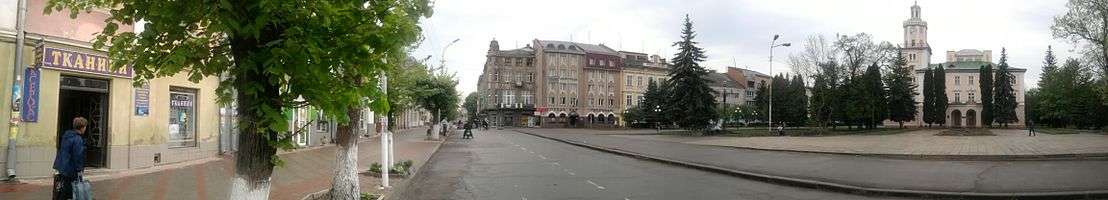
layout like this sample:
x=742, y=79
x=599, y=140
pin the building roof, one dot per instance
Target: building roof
x=573, y=47
x=525, y=51
x=721, y=80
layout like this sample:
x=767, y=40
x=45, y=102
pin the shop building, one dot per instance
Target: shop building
x=164, y=120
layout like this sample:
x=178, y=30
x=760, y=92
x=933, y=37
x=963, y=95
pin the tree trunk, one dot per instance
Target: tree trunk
x=253, y=161
x=344, y=185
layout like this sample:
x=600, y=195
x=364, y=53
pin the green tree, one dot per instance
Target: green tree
x=437, y=94
x=798, y=102
x=471, y=102
x=654, y=104
x=781, y=99
x=874, y=103
x=761, y=102
x=1068, y=97
x=323, y=52
x=928, y=96
x=402, y=90
x=985, y=78
x=901, y=91
x=1004, y=101
x=691, y=102
x=1086, y=21
x=939, y=90
x=824, y=93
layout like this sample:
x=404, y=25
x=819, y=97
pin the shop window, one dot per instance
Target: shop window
x=182, y=117
x=321, y=124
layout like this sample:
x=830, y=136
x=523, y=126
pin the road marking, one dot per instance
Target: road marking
x=543, y=157
x=594, y=184
x=556, y=163
x=570, y=172
x=524, y=148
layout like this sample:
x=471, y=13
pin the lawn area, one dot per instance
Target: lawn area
x=1063, y=131
x=813, y=132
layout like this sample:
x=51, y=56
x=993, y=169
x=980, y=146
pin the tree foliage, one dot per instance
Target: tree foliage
x=276, y=55
x=901, y=91
x=986, y=85
x=939, y=91
x=1086, y=22
x=691, y=102
x=471, y=103
x=402, y=90
x=437, y=94
x=1004, y=99
x=1067, y=97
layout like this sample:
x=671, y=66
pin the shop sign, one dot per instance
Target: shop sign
x=53, y=58
x=142, y=100
x=31, y=77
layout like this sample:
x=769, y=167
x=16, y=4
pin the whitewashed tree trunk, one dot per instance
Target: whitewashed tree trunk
x=253, y=160
x=242, y=189
x=344, y=185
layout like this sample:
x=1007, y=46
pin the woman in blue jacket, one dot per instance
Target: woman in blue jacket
x=70, y=160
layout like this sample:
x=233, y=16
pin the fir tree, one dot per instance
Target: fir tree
x=691, y=101
x=1004, y=105
x=902, y=106
x=798, y=106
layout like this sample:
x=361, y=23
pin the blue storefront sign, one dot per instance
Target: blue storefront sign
x=31, y=77
x=142, y=100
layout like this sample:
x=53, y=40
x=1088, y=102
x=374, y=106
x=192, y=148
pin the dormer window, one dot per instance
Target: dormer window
x=549, y=46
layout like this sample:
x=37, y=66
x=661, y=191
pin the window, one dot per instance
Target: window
x=970, y=83
x=628, y=100
x=629, y=77
x=182, y=117
x=592, y=62
x=531, y=77
x=957, y=97
x=957, y=80
x=640, y=80
x=563, y=100
x=971, y=96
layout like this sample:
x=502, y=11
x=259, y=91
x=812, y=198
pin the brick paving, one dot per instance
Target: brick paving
x=920, y=142
x=305, y=172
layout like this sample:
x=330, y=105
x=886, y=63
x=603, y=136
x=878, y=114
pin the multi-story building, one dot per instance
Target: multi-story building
x=166, y=120
x=727, y=91
x=639, y=70
x=962, y=81
x=600, y=86
x=507, y=86
x=749, y=81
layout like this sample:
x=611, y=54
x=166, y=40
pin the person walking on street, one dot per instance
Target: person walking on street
x=70, y=159
x=1030, y=128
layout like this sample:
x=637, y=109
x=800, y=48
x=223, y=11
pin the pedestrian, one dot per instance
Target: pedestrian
x=70, y=159
x=781, y=129
x=1030, y=128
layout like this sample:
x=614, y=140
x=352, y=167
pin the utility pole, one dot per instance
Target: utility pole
x=13, y=124
x=772, y=45
x=386, y=138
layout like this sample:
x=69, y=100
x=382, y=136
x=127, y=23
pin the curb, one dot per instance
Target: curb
x=829, y=185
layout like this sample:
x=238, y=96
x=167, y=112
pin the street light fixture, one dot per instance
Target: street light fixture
x=772, y=44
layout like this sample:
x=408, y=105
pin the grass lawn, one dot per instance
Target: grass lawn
x=1063, y=131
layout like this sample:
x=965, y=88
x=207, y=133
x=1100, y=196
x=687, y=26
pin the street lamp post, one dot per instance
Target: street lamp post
x=772, y=44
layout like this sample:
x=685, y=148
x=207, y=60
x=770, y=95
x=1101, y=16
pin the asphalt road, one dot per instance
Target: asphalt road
x=502, y=164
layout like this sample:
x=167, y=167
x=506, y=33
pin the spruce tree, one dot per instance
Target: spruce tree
x=653, y=101
x=691, y=101
x=928, y=97
x=902, y=106
x=985, y=76
x=1004, y=107
x=799, y=105
x=873, y=102
x=780, y=99
x=761, y=102
x=939, y=89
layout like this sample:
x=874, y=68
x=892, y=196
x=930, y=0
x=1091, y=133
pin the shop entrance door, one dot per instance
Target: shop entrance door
x=88, y=98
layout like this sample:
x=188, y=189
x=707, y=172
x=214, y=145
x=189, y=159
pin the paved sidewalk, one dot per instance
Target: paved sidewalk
x=304, y=172
x=1007, y=142
x=860, y=173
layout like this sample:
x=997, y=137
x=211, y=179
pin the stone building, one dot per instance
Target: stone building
x=749, y=81
x=962, y=81
x=166, y=120
x=727, y=91
x=507, y=87
x=600, y=86
x=639, y=70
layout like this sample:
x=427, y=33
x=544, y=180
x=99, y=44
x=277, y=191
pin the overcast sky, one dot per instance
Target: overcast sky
x=736, y=31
